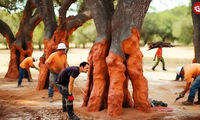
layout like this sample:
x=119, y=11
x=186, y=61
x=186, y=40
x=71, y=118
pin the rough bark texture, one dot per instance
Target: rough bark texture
x=125, y=51
x=55, y=34
x=21, y=46
x=196, y=37
x=124, y=60
x=96, y=90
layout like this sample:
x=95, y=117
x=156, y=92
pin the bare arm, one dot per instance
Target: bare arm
x=34, y=67
x=71, y=85
x=187, y=87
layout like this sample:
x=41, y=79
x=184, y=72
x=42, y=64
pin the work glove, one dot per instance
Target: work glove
x=70, y=98
x=182, y=94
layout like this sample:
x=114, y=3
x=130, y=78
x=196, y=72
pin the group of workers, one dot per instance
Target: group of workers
x=190, y=73
x=61, y=75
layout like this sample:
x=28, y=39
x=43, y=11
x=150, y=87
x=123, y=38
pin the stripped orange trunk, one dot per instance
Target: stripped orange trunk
x=121, y=58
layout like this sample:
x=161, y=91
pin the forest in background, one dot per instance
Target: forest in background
x=174, y=25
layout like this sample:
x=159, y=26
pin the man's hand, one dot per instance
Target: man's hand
x=182, y=94
x=70, y=98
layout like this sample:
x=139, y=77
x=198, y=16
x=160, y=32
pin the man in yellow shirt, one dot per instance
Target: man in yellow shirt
x=23, y=67
x=56, y=62
x=192, y=77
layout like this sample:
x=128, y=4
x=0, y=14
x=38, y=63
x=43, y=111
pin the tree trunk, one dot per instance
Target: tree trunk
x=98, y=82
x=56, y=34
x=21, y=47
x=124, y=60
x=196, y=37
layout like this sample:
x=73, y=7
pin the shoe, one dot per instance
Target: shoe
x=29, y=80
x=153, y=68
x=187, y=102
x=74, y=117
x=20, y=86
x=197, y=102
x=164, y=69
x=50, y=99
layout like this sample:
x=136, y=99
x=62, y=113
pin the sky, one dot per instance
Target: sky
x=161, y=5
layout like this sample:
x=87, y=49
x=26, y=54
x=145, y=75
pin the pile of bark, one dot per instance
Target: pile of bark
x=153, y=45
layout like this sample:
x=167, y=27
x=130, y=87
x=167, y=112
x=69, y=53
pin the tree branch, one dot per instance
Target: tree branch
x=75, y=22
x=63, y=10
x=6, y=32
x=46, y=10
x=36, y=18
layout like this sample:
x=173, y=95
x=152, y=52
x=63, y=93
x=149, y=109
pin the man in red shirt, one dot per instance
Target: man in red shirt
x=159, y=58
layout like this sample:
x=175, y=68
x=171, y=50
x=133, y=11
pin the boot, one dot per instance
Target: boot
x=188, y=102
x=20, y=86
x=164, y=69
x=74, y=117
x=29, y=80
x=153, y=68
x=51, y=99
x=197, y=102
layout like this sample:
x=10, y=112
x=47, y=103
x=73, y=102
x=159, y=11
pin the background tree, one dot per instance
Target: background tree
x=38, y=35
x=84, y=34
x=169, y=25
x=20, y=45
x=13, y=22
x=55, y=34
x=149, y=28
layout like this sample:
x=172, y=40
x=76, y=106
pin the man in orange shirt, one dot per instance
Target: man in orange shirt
x=192, y=77
x=159, y=58
x=23, y=67
x=56, y=62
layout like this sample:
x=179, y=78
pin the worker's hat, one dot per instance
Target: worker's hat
x=61, y=46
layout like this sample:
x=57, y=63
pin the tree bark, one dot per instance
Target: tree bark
x=22, y=46
x=196, y=37
x=97, y=86
x=124, y=60
x=56, y=34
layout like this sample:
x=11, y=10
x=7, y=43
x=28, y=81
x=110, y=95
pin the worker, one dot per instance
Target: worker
x=65, y=82
x=159, y=58
x=178, y=75
x=23, y=69
x=56, y=63
x=192, y=77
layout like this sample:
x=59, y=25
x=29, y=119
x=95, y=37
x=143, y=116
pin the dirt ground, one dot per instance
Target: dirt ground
x=26, y=103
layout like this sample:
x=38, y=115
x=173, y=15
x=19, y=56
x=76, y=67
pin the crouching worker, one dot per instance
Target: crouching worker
x=65, y=82
x=23, y=69
x=192, y=77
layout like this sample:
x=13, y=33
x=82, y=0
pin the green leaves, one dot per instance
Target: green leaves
x=84, y=34
x=168, y=25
